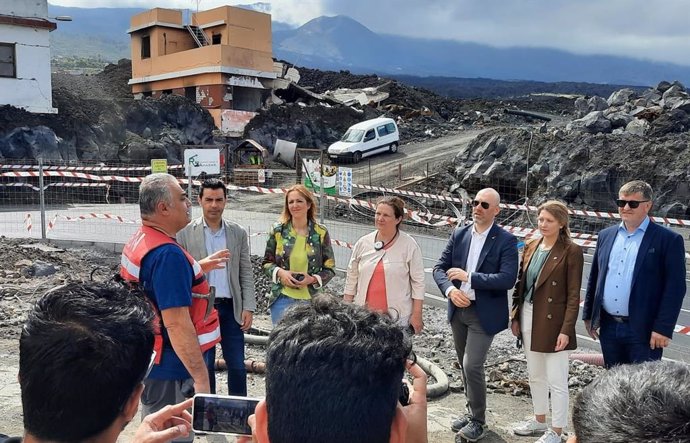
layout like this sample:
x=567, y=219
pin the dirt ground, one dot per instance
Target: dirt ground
x=21, y=260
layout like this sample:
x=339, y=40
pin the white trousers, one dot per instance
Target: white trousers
x=547, y=372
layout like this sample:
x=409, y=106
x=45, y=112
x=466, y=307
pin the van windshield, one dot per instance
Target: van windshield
x=352, y=136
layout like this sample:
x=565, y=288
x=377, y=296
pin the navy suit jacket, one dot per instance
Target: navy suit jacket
x=658, y=282
x=496, y=273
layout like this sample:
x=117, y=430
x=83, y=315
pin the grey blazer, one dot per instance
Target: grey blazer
x=239, y=267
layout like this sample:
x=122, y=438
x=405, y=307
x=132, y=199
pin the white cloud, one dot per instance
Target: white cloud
x=294, y=12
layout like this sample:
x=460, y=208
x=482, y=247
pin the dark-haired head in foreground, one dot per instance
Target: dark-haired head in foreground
x=83, y=352
x=333, y=375
x=646, y=402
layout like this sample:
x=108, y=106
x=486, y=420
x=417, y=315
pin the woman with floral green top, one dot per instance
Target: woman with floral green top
x=299, y=258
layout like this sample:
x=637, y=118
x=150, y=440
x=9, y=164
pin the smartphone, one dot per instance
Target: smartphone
x=222, y=414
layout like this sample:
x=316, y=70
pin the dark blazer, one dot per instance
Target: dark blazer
x=239, y=267
x=658, y=282
x=495, y=275
x=556, y=296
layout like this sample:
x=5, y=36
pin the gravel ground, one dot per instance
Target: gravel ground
x=20, y=286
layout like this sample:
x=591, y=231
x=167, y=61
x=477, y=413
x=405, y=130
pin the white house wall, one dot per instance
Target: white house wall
x=25, y=8
x=32, y=89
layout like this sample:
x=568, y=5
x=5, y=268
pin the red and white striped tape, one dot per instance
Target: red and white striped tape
x=449, y=220
x=27, y=223
x=683, y=330
x=581, y=212
x=91, y=215
x=86, y=168
x=81, y=175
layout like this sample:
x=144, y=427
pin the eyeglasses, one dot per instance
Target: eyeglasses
x=632, y=203
x=485, y=205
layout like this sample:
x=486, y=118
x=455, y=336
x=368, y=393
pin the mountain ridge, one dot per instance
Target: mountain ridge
x=342, y=43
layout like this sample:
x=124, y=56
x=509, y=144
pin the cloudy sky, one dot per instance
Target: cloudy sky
x=648, y=29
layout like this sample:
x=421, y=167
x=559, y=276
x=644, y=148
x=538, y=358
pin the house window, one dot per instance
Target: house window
x=146, y=46
x=215, y=39
x=8, y=65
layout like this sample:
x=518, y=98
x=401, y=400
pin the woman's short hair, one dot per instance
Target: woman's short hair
x=304, y=192
x=560, y=212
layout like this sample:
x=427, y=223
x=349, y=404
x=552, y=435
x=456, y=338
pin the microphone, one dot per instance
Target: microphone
x=378, y=245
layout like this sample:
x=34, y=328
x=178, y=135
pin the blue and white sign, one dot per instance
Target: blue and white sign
x=345, y=181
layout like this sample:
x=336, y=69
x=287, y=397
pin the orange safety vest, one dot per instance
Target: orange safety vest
x=207, y=327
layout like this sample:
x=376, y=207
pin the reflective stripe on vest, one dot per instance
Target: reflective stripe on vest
x=144, y=241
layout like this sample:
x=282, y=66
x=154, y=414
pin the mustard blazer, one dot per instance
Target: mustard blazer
x=556, y=297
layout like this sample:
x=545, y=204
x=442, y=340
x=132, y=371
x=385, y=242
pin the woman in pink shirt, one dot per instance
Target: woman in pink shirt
x=386, y=272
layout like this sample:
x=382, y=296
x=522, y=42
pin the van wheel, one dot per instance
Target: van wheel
x=394, y=147
x=357, y=157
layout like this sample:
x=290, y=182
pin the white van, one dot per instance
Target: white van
x=366, y=138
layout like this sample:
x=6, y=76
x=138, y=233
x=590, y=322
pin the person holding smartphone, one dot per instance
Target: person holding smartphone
x=386, y=271
x=342, y=364
x=299, y=257
x=105, y=331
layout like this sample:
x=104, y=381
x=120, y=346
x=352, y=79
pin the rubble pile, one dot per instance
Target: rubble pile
x=583, y=169
x=314, y=114
x=29, y=268
x=657, y=111
x=99, y=121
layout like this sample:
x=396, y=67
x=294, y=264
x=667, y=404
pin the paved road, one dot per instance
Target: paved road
x=110, y=231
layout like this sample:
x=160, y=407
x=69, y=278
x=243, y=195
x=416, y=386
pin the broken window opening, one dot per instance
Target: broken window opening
x=215, y=39
x=147, y=93
x=190, y=93
x=146, y=46
x=245, y=99
x=166, y=92
x=8, y=65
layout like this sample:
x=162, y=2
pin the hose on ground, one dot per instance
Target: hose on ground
x=433, y=390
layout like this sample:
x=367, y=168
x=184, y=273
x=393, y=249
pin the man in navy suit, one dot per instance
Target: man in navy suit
x=637, y=282
x=477, y=268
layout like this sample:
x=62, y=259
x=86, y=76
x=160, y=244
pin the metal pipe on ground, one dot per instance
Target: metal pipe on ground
x=433, y=390
x=592, y=359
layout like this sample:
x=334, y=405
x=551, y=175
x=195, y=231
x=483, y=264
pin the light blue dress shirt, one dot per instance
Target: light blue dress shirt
x=216, y=241
x=621, y=266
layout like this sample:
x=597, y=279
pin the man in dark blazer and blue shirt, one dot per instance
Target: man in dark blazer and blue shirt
x=477, y=268
x=636, y=284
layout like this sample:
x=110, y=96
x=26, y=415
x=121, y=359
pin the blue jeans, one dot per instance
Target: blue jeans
x=232, y=346
x=280, y=305
x=621, y=344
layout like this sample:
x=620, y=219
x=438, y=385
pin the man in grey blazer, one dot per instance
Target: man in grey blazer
x=234, y=285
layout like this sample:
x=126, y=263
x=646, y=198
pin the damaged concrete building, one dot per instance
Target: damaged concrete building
x=221, y=58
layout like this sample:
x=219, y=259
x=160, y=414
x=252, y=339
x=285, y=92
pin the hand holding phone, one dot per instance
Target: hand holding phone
x=222, y=414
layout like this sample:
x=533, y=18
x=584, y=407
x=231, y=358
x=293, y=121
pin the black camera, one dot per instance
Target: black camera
x=298, y=277
x=404, y=396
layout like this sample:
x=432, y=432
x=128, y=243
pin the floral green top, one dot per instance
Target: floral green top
x=320, y=256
